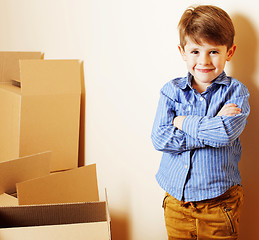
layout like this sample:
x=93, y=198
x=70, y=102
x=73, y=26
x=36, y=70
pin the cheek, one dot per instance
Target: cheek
x=220, y=63
x=191, y=62
x=190, y=66
x=221, y=66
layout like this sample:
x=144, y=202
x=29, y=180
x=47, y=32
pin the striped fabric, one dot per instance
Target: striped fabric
x=201, y=161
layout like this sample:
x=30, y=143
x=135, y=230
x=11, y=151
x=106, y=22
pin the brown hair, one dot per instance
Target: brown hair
x=206, y=22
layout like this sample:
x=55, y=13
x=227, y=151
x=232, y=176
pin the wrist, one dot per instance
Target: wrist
x=178, y=122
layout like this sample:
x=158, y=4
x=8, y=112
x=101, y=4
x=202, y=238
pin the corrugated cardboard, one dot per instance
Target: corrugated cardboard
x=22, y=169
x=54, y=214
x=66, y=221
x=57, y=221
x=42, y=111
x=77, y=185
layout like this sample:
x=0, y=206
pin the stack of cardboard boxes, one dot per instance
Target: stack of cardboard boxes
x=43, y=192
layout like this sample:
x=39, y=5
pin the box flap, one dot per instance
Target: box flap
x=54, y=121
x=22, y=169
x=8, y=200
x=50, y=77
x=55, y=214
x=9, y=64
x=77, y=185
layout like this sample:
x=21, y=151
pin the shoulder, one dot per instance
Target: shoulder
x=237, y=86
x=174, y=86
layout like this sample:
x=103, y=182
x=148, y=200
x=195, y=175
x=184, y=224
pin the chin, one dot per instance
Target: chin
x=205, y=80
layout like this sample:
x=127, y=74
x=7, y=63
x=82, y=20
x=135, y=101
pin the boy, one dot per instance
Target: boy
x=197, y=127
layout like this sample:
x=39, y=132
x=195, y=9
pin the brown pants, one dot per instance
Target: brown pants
x=216, y=218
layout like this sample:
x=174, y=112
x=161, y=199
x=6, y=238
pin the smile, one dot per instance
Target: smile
x=204, y=70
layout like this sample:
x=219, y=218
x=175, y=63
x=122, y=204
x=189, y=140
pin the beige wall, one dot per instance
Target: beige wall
x=129, y=49
x=245, y=67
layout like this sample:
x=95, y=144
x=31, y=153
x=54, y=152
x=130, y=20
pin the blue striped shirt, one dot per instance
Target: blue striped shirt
x=200, y=161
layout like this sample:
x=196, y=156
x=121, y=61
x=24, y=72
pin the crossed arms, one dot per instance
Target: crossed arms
x=228, y=110
x=176, y=134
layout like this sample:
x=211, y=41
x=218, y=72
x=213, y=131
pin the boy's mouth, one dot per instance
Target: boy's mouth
x=204, y=70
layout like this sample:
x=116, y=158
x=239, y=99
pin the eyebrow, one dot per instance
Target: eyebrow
x=210, y=49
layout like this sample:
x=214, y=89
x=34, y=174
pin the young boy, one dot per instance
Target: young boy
x=197, y=127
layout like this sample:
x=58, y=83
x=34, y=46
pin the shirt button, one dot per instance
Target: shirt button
x=186, y=166
x=201, y=98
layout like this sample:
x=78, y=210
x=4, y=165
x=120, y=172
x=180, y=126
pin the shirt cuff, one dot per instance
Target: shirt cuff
x=190, y=125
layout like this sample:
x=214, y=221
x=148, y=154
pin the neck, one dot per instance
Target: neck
x=199, y=86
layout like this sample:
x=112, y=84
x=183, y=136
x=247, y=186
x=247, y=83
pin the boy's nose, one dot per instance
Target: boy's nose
x=204, y=59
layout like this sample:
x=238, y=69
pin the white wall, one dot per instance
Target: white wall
x=129, y=49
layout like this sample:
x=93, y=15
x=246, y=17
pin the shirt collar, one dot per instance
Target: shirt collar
x=186, y=81
x=222, y=79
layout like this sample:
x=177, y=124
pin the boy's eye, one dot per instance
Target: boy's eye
x=214, y=52
x=195, y=52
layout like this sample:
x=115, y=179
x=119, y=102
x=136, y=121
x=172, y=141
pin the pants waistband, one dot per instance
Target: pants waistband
x=223, y=196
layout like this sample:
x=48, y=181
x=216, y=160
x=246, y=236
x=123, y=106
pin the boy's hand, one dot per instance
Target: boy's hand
x=229, y=109
x=178, y=121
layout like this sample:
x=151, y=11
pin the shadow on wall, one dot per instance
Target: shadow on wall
x=119, y=226
x=81, y=154
x=244, y=68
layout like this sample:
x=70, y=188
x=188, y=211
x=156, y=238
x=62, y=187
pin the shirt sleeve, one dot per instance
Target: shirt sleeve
x=165, y=136
x=220, y=131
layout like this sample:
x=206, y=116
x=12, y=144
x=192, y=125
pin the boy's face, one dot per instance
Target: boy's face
x=206, y=61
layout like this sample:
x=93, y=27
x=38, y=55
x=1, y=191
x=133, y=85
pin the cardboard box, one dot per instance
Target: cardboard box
x=9, y=64
x=10, y=103
x=79, y=219
x=40, y=109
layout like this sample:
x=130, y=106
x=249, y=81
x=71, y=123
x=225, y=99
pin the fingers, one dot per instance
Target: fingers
x=230, y=105
x=232, y=110
x=229, y=109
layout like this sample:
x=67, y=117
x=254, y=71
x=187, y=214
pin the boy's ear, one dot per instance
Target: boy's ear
x=231, y=52
x=182, y=52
